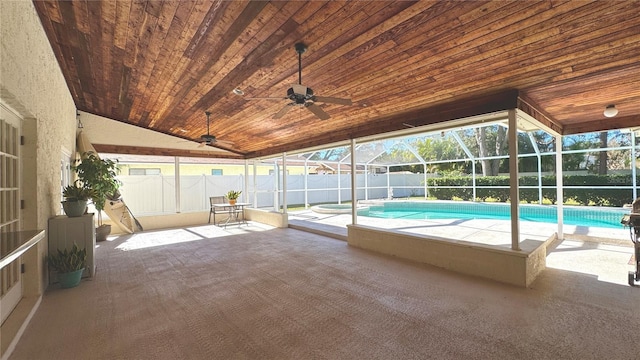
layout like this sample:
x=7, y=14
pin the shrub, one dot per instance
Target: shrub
x=497, y=187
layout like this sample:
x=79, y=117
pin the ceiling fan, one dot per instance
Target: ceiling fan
x=208, y=139
x=303, y=96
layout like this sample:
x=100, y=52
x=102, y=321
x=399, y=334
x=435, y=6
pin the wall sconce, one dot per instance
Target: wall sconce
x=610, y=111
x=80, y=126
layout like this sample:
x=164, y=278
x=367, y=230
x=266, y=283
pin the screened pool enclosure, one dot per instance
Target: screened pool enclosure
x=466, y=162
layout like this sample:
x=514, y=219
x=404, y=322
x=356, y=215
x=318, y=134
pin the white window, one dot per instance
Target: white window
x=65, y=175
x=144, y=171
x=10, y=275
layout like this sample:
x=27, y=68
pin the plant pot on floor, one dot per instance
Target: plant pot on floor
x=102, y=232
x=70, y=279
x=74, y=208
x=69, y=264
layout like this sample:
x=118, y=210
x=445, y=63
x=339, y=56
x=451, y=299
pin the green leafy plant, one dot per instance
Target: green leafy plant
x=233, y=195
x=66, y=261
x=99, y=175
x=76, y=192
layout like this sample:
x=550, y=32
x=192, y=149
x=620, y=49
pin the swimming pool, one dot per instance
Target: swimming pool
x=573, y=215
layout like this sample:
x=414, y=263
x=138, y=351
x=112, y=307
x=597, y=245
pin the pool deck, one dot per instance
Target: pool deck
x=602, y=252
x=492, y=232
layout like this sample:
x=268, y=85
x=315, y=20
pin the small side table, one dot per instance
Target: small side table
x=235, y=213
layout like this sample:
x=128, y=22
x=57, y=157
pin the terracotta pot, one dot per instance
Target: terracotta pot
x=102, y=232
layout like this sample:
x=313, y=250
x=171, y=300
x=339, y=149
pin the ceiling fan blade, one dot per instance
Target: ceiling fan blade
x=282, y=112
x=332, y=100
x=202, y=144
x=225, y=143
x=266, y=98
x=317, y=111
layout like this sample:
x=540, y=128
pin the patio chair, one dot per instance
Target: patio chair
x=215, y=200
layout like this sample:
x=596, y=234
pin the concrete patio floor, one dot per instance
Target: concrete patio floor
x=254, y=291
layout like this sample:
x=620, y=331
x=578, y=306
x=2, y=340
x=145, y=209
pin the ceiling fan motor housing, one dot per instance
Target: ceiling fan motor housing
x=299, y=94
x=302, y=96
x=208, y=138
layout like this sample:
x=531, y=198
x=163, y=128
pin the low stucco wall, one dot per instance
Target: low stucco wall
x=504, y=265
x=272, y=218
x=156, y=222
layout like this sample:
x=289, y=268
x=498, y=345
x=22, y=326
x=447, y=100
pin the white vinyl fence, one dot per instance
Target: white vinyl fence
x=155, y=194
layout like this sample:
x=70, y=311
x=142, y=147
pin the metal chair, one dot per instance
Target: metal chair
x=215, y=200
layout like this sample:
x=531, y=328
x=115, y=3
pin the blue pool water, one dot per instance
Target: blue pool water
x=580, y=216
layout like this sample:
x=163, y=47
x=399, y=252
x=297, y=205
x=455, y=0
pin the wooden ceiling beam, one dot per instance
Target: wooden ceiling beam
x=141, y=150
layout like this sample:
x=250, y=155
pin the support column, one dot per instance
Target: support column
x=177, y=181
x=339, y=183
x=306, y=184
x=245, y=184
x=276, y=187
x=284, y=182
x=366, y=178
x=559, y=187
x=426, y=187
x=354, y=187
x=389, y=191
x=255, y=185
x=633, y=165
x=514, y=192
x=534, y=144
x=473, y=180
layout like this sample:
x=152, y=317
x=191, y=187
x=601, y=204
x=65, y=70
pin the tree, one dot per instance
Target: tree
x=334, y=154
x=443, y=148
x=545, y=144
x=488, y=139
x=602, y=166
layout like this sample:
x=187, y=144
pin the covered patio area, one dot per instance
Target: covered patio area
x=261, y=292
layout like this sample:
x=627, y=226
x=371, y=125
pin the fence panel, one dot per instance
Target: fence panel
x=143, y=194
x=192, y=193
x=152, y=195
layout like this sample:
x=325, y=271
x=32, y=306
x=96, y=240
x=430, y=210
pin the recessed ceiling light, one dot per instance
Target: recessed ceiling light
x=237, y=91
x=610, y=111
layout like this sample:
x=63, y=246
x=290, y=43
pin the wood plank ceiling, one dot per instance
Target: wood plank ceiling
x=161, y=64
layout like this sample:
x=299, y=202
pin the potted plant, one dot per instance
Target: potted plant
x=76, y=197
x=99, y=175
x=69, y=264
x=233, y=196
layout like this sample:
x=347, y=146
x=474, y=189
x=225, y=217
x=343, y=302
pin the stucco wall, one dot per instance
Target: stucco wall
x=32, y=85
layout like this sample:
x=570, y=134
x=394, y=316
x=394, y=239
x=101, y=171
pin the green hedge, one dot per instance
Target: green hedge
x=499, y=189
